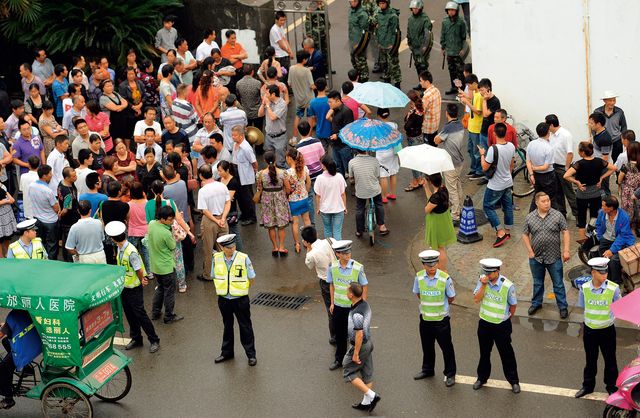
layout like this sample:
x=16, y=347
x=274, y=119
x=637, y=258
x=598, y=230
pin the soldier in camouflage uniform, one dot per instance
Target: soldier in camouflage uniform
x=419, y=36
x=452, y=40
x=358, y=28
x=386, y=33
x=372, y=10
x=315, y=28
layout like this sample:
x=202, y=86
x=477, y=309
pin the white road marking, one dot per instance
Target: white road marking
x=121, y=341
x=528, y=387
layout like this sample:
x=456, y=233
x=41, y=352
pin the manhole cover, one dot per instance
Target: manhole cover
x=275, y=300
x=578, y=271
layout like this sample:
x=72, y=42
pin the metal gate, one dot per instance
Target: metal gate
x=308, y=18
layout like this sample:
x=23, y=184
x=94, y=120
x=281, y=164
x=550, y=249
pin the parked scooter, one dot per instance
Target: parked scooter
x=626, y=401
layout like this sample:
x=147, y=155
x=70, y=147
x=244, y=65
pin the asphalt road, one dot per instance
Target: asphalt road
x=292, y=377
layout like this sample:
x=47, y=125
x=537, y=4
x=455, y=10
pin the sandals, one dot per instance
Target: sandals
x=411, y=188
x=385, y=232
x=275, y=253
x=283, y=253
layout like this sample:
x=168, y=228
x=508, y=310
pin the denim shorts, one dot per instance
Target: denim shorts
x=300, y=111
x=194, y=155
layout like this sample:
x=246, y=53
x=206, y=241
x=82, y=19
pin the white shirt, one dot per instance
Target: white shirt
x=142, y=147
x=228, y=119
x=141, y=125
x=275, y=34
x=562, y=144
x=57, y=162
x=623, y=158
x=204, y=50
x=25, y=181
x=320, y=257
x=244, y=157
x=81, y=181
x=202, y=138
x=212, y=197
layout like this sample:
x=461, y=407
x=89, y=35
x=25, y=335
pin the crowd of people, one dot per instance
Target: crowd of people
x=165, y=151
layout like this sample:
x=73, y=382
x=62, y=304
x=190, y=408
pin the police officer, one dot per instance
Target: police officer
x=388, y=34
x=359, y=35
x=497, y=297
x=419, y=35
x=596, y=297
x=340, y=274
x=435, y=291
x=232, y=273
x=28, y=246
x=134, y=279
x=452, y=40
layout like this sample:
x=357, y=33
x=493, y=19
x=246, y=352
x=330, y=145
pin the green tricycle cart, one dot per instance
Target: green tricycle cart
x=76, y=311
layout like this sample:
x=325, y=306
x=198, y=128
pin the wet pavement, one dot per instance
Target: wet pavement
x=292, y=378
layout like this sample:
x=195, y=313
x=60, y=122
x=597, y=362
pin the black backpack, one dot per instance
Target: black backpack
x=491, y=171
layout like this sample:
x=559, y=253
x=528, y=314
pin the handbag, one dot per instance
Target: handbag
x=232, y=218
x=179, y=234
x=192, y=184
x=258, y=194
x=465, y=120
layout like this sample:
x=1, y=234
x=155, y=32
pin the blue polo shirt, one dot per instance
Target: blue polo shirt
x=598, y=291
x=362, y=278
x=511, y=296
x=319, y=107
x=251, y=274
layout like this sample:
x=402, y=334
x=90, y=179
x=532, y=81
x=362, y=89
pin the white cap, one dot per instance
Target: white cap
x=609, y=94
x=115, y=228
x=227, y=240
x=342, y=246
x=599, y=264
x=490, y=265
x=26, y=225
x=429, y=256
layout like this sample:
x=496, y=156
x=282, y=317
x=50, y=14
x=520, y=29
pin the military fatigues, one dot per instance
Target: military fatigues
x=452, y=39
x=494, y=327
x=315, y=27
x=435, y=325
x=420, y=40
x=232, y=280
x=358, y=26
x=599, y=332
x=386, y=32
x=132, y=294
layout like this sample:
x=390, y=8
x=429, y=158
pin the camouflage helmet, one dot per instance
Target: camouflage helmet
x=384, y=1
x=451, y=5
x=416, y=4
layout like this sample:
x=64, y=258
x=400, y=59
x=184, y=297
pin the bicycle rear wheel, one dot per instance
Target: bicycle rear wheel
x=371, y=222
x=521, y=185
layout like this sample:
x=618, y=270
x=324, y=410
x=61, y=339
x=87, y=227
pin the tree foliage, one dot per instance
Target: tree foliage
x=17, y=14
x=106, y=26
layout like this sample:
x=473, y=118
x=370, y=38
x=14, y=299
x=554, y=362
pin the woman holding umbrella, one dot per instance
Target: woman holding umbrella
x=439, y=231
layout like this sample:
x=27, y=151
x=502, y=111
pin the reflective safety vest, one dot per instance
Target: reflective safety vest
x=341, y=283
x=597, y=307
x=37, y=251
x=432, y=297
x=131, y=279
x=494, y=304
x=233, y=281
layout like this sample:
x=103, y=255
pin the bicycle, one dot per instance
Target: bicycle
x=371, y=221
x=522, y=186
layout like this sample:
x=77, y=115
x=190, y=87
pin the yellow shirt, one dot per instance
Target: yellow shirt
x=475, y=121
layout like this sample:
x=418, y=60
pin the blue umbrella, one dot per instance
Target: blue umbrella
x=370, y=135
x=378, y=94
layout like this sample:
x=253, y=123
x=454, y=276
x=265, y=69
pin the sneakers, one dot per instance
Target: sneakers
x=174, y=318
x=154, y=347
x=483, y=181
x=501, y=240
x=564, y=313
x=182, y=289
x=475, y=176
x=533, y=309
x=7, y=403
x=470, y=173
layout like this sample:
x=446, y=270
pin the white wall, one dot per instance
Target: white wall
x=534, y=53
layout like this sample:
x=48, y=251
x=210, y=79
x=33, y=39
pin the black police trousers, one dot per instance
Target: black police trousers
x=341, y=328
x=133, y=307
x=239, y=307
x=500, y=335
x=603, y=340
x=440, y=331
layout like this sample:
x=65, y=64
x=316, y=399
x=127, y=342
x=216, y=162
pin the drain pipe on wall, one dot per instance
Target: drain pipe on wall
x=587, y=46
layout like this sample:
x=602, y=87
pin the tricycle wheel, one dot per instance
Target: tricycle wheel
x=116, y=388
x=611, y=411
x=65, y=400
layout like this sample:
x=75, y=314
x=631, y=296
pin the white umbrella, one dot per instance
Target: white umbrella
x=426, y=159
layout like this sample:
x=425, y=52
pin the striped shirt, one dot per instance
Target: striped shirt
x=366, y=171
x=312, y=151
x=185, y=117
x=431, y=102
x=228, y=119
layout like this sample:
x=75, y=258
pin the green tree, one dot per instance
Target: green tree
x=106, y=26
x=18, y=14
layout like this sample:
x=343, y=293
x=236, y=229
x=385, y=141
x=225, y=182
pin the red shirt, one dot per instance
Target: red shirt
x=351, y=104
x=512, y=135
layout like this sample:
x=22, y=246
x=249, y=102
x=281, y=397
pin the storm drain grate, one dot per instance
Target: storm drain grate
x=275, y=300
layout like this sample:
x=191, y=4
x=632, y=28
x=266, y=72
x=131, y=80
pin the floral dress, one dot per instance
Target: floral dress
x=274, y=201
x=630, y=184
